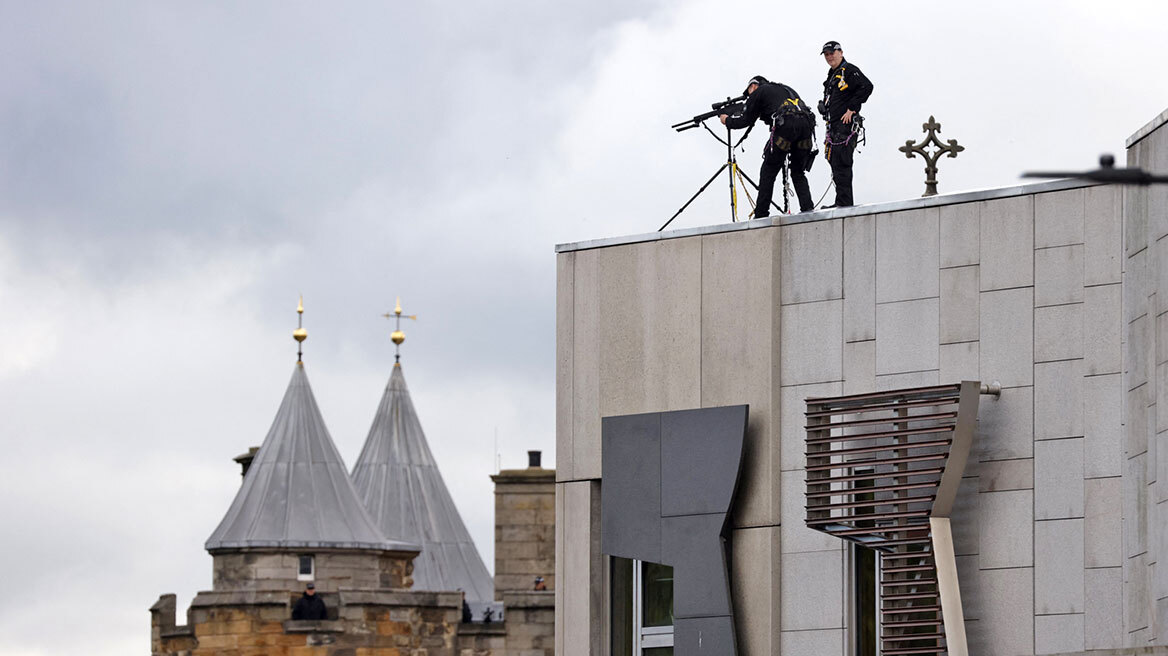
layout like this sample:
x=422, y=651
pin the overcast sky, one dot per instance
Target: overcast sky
x=173, y=175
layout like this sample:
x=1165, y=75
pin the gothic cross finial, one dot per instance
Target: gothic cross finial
x=397, y=335
x=932, y=128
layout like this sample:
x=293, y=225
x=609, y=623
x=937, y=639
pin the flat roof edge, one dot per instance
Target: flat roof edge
x=829, y=214
x=1149, y=128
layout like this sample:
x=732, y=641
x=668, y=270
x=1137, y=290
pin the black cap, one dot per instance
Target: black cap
x=757, y=79
x=830, y=46
x=310, y=586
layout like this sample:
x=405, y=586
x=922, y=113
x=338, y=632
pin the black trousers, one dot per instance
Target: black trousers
x=793, y=130
x=840, y=160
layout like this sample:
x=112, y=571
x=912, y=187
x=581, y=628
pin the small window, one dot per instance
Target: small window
x=307, y=570
x=642, y=608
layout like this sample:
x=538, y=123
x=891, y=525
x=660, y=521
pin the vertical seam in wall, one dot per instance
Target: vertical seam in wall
x=1033, y=431
x=701, y=317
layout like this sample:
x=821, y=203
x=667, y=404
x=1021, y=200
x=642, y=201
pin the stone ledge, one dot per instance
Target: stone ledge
x=313, y=626
x=183, y=631
x=400, y=598
x=529, y=475
x=481, y=628
x=529, y=599
x=242, y=598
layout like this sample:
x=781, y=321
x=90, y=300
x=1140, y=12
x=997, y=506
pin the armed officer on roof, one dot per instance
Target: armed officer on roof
x=792, y=126
x=845, y=89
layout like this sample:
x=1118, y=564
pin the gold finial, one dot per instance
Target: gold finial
x=300, y=334
x=397, y=336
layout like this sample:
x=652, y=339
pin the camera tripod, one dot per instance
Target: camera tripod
x=736, y=177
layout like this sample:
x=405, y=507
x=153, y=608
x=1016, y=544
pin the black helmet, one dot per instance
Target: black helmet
x=757, y=79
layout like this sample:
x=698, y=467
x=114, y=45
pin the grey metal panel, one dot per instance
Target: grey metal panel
x=297, y=493
x=693, y=544
x=398, y=481
x=704, y=636
x=688, y=460
x=700, y=459
x=630, y=493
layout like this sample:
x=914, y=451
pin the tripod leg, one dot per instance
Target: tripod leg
x=755, y=185
x=695, y=196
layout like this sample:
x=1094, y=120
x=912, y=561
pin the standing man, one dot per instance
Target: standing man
x=309, y=606
x=845, y=89
x=791, y=124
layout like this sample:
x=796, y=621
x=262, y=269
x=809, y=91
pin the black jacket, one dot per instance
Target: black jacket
x=845, y=88
x=766, y=101
x=309, y=608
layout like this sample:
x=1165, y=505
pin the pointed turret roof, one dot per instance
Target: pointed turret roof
x=297, y=493
x=399, y=482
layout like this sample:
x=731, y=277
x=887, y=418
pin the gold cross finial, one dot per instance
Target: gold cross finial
x=397, y=335
x=300, y=334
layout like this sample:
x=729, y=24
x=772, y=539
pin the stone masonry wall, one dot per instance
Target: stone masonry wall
x=525, y=529
x=254, y=623
x=267, y=570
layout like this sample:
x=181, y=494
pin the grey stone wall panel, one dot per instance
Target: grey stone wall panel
x=565, y=341
x=859, y=366
x=1007, y=243
x=812, y=343
x=1102, y=330
x=959, y=361
x=585, y=384
x=1058, y=479
x=755, y=588
x=907, y=256
x=812, y=590
x=1007, y=336
x=1103, y=616
x=1102, y=526
x=1008, y=610
x=1008, y=518
x=959, y=305
x=1005, y=427
x=859, y=305
x=1102, y=235
x=1103, y=426
x=1058, y=634
x=1058, y=575
x=1059, y=218
x=1058, y=399
x=811, y=262
x=1058, y=275
x=960, y=227
x=907, y=336
x=1058, y=332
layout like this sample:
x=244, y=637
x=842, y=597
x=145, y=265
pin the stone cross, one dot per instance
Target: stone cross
x=938, y=149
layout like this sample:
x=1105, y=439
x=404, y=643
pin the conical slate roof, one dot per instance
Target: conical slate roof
x=297, y=493
x=398, y=480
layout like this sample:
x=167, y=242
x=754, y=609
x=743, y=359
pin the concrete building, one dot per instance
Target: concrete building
x=1057, y=291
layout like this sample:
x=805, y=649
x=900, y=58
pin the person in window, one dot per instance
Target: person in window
x=309, y=606
x=539, y=583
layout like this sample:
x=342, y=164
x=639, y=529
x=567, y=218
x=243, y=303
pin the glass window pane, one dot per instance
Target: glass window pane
x=657, y=595
x=658, y=651
x=306, y=565
x=622, y=606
